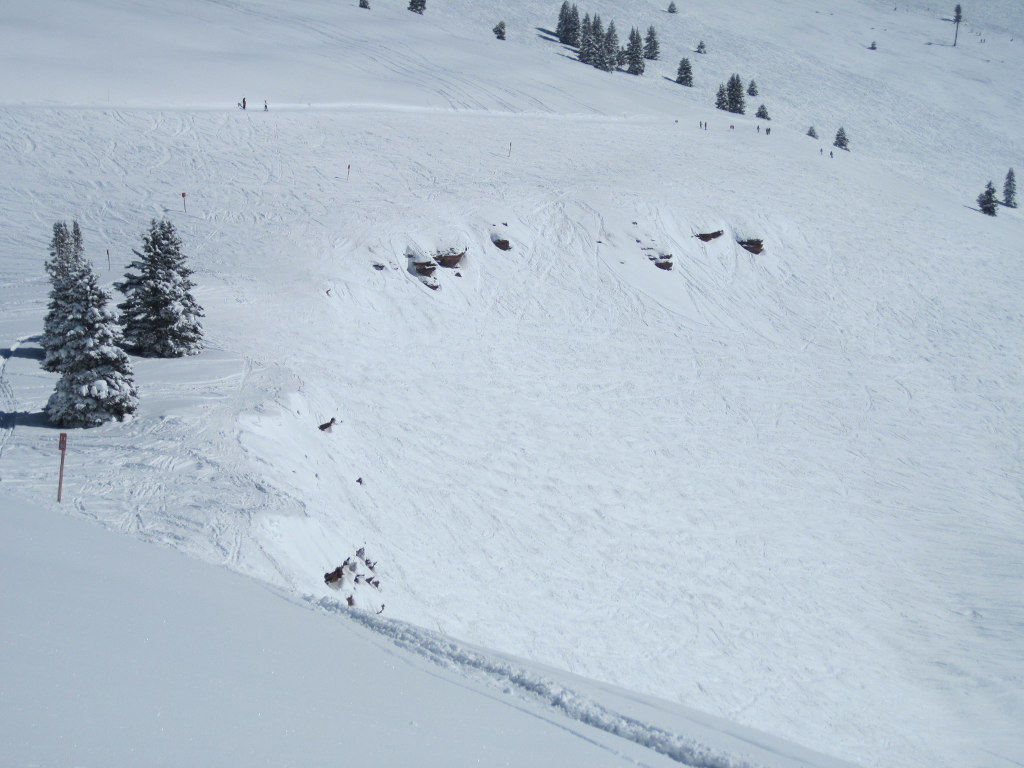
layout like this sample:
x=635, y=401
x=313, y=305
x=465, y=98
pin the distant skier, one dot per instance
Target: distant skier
x=264, y=105
x=243, y=102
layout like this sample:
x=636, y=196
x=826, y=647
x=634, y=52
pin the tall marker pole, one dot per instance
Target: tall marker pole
x=63, y=446
x=183, y=202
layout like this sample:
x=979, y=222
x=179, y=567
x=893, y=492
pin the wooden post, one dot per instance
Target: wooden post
x=62, y=444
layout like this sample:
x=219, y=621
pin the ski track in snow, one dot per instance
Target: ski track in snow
x=511, y=677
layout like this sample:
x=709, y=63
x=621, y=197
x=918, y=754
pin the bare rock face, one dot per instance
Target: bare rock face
x=450, y=258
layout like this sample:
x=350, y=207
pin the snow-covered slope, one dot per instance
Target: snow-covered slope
x=159, y=660
x=782, y=488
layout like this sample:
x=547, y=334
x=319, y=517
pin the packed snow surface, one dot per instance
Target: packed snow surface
x=783, y=488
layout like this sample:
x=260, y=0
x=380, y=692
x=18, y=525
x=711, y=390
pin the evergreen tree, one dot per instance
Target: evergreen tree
x=672, y=7
x=588, y=49
x=873, y=46
x=652, y=50
x=734, y=94
x=958, y=16
x=701, y=47
x=752, y=89
x=597, y=58
x=499, y=30
x=417, y=6
x=987, y=200
x=364, y=3
x=722, y=98
x=1010, y=190
x=610, y=54
x=159, y=314
x=841, y=141
x=66, y=254
x=685, y=74
x=563, y=23
x=572, y=30
x=812, y=133
x=635, y=53
x=96, y=383
x=762, y=113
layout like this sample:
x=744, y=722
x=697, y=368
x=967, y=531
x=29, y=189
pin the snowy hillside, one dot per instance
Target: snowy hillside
x=782, y=488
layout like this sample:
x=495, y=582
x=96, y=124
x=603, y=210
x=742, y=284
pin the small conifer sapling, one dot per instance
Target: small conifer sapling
x=987, y=200
x=684, y=76
x=652, y=49
x=722, y=98
x=1010, y=190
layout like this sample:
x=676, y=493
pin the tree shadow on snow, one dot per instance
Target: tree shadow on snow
x=32, y=353
x=546, y=34
x=11, y=419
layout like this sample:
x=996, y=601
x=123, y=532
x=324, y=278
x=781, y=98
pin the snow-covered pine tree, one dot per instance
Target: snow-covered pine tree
x=762, y=113
x=752, y=88
x=610, y=54
x=1010, y=190
x=672, y=7
x=499, y=30
x=812, y=133
x=588, y=49
x=418, y=6
x=958, y=17
x=652, y=50
x=96, y=383
x=987, y=200
x=722, y=98
x=734, y=94
x=841, y=141
x=572, y=31
x=684, y=76
x=701, y=48
x=364, y=4
x=65, y=254
x=159, y=314
x=563, y=23
x=635, y=53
